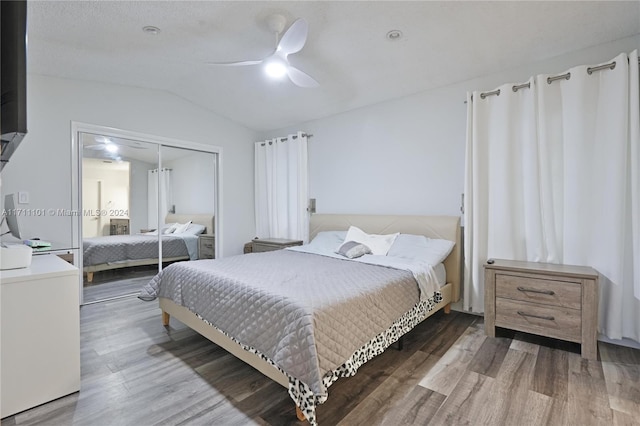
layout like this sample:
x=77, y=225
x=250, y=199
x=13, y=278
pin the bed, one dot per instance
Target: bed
x=304, y=319
x=122, y=251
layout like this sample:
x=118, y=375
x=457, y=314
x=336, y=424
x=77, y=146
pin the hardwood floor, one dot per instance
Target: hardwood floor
x=136, y=372
x=117, y=283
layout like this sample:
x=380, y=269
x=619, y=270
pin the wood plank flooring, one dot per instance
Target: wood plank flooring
x=137, y=372
x=117, y=283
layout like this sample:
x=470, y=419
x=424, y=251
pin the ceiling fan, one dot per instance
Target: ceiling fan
x=106, y=144
x=277, y=64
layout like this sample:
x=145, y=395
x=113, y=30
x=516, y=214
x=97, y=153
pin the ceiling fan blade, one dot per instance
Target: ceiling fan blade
x=300, y=78
x=98, y=147
x=235, y=64
x=294, y=38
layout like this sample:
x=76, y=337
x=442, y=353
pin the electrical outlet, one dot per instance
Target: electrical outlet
x=23, y=197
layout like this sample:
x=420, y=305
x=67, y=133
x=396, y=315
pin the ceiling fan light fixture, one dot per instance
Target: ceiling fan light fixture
x=277, y=65
x=275, y=68
x=111, y=147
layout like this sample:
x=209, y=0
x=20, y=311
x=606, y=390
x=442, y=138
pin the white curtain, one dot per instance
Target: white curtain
x=553, y=175
x=159, y=193
x=281, y=188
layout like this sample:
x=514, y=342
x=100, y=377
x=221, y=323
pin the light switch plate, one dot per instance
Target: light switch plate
x=23, y=197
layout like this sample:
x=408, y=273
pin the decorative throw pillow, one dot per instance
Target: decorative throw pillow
x=353, y=249
x=379, y=244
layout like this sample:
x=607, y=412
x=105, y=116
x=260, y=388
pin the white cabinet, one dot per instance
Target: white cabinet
x=40, y=334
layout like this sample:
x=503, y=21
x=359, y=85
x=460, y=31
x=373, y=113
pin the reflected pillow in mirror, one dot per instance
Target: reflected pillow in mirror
x=194, y=229
x=169, y=228
x=181, y=227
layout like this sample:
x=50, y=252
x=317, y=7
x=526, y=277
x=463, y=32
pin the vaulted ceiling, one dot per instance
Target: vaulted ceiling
x=347, y=50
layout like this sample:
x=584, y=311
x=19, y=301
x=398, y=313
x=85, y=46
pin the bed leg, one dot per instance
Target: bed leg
x=165, y=318
x=447, y=308
x=89, y=277
x=299, y=414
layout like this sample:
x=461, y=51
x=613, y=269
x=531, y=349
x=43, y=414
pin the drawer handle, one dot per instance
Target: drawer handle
x=533, y=290
x=544, y=317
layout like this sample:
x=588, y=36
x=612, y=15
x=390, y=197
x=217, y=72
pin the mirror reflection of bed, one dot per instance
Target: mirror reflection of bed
x=121, y=264
x=125, y=191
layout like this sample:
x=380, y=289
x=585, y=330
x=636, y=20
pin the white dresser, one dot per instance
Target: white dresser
x=40, y=334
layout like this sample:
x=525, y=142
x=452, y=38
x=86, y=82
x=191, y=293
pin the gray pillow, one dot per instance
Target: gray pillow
x=353, y=249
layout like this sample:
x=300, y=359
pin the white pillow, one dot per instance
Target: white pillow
x=181, y=227
x=379, y=244
x=194, y=229
x=327, y=241
x=169, y=228
x=418, y=247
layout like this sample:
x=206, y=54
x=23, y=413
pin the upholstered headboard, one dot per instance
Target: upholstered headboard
x=201, y=219
x=445, y=227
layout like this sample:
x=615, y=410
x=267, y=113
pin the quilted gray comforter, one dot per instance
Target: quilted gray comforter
x=307, y=313
x=118, y=248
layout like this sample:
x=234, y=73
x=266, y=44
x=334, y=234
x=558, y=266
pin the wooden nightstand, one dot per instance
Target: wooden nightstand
x=558, y=301
x=206, y=246
x=119, y=227
x=271, y=244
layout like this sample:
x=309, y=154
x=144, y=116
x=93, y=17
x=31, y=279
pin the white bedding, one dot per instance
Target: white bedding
x=429, y=278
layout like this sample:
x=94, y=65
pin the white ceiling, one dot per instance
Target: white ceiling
x=346, y=51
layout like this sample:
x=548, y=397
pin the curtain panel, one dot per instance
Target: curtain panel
x=159, y=195
x=553, y=175
x=281, y=188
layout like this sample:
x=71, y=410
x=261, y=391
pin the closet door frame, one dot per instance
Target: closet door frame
x=160, y=141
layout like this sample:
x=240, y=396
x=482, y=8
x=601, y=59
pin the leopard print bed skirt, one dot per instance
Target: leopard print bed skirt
x=302, y=395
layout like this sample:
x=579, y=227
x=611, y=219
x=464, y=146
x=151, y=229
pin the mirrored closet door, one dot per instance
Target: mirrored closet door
x=145, y=205
x=115, y=204
x=187, y=201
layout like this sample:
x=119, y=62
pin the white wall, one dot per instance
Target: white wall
x=138, y=199
x=42, y=164
x=114, y=193
x=406, y=156
x=193, y=179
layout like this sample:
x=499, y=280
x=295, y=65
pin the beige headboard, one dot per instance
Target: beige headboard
x=445, y=227
x=201, y=219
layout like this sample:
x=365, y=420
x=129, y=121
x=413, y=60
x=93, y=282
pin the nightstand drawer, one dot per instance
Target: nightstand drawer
x=551, y=321
x=539, y=290
x=258, y=248
x=206, y=246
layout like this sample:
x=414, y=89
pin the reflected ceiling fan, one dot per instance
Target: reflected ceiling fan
x=277, y=64
x=108, y=145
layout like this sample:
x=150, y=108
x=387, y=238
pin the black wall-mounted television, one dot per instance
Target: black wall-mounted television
x=13, y=63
